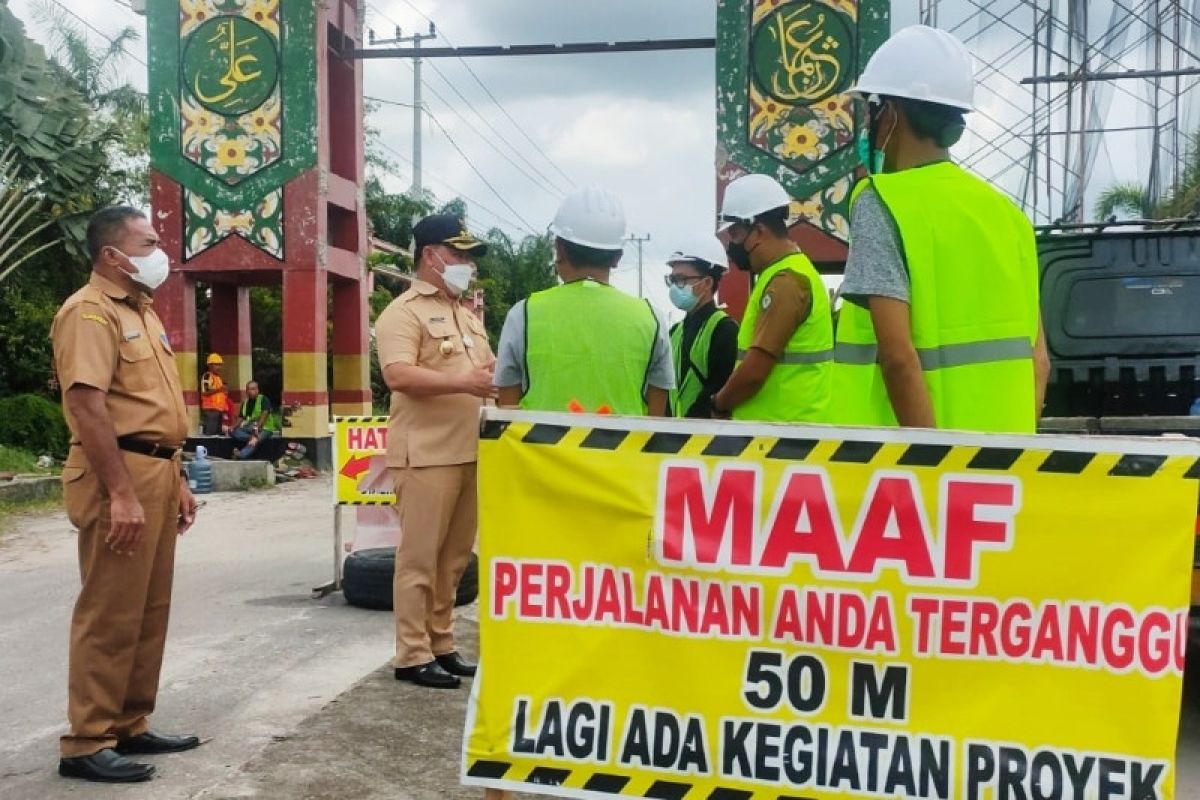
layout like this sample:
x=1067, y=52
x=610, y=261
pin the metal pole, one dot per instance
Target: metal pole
x=416, y=184
x=639, y=241
x=418, y=106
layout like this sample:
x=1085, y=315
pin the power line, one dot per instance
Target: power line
x=371, y=99
x=537, y=148
x=558, y=190
x=552, y=191
x=541, y=181
x=96, y=30
x=475, y=204
x=475, y=169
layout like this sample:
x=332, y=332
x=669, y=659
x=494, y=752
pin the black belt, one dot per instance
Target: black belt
x=131, y=445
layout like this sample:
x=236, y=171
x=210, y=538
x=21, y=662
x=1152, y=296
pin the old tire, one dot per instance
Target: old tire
x=367, y=579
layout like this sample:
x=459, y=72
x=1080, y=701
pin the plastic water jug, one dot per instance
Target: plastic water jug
x=200, y=472
x=1195, y=410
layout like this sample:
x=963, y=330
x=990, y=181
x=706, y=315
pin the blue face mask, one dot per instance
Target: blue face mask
x=872, y=159
x=683, y=298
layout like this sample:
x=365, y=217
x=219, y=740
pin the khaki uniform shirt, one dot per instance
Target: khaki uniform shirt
x=423, y=328
x=110, y=340
x=786, y=303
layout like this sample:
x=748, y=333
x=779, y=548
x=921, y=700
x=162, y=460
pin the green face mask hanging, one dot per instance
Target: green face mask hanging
x=872, y=159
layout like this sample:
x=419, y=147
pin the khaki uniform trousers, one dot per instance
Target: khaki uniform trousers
x=438, y=520
x=119, y=625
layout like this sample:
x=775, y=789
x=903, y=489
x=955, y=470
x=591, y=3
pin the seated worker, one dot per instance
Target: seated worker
x=250, y=427
x=214, y=400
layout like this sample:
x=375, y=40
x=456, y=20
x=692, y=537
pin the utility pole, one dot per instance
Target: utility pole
x=639, y=241
x=418, y=108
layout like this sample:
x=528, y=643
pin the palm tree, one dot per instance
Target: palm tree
x=1128, y=197
x=17, y=226
x=53, y=155
x=121, y=110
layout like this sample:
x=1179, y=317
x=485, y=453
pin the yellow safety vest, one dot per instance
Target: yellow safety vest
x=800, y=384
x=972, y=264
x=689, y=384
x=588, y=349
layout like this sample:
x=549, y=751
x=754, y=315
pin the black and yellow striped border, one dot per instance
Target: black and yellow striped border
x=372, y=420
x=873, y=453
x=588, y=780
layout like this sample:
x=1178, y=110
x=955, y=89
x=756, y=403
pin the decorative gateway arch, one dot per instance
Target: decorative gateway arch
x=257, y=160
x=783, y=72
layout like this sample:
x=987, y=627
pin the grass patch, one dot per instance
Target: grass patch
x=12, y=512
x=14, y=460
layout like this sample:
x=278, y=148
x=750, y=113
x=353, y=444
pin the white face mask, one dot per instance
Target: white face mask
x=152, y=270
x=458, y=277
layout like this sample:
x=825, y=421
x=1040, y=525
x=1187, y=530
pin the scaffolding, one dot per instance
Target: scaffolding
x=1076, y=96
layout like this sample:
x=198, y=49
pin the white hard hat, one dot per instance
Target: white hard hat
x=921, y=63
x=749, y=196
x=592, y=217
x=706, y=249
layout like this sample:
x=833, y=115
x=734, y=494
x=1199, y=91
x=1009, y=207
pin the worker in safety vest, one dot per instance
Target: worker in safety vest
x=585, y=346
x=704, y=344
x=214, y=399
x=940, y=326
x=785, y=344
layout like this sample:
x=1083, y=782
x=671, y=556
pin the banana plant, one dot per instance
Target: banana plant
x=18, y=225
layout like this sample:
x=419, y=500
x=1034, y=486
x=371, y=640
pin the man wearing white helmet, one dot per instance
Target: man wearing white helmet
x=940, y=326
x=584, y=346
x=785, y=344
x=704, y=344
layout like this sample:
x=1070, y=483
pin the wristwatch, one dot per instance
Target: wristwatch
x=712, y=403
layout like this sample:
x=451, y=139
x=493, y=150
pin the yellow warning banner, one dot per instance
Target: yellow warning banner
x=359, y=449
x=716, y=610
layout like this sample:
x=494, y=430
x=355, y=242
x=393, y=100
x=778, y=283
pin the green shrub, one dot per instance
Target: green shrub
x=33, y=424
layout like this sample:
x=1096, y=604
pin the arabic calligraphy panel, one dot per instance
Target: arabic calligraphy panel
x=230, y=93
x=784, y=108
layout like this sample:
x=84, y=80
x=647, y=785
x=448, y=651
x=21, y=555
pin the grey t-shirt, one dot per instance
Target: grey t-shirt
x=510, y=355
x=875, y=266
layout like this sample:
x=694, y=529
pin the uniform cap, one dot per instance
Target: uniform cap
x=447, y=229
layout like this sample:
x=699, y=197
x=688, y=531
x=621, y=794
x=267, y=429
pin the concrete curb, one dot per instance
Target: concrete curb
x=31, y=489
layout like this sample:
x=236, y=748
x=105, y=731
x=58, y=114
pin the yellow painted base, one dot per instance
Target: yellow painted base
x=309, y=422
x=352, y=409
x=189, y=371
x=305, y=372
x=351, y=372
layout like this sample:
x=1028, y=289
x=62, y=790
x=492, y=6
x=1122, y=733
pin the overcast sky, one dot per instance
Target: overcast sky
x=641, y=124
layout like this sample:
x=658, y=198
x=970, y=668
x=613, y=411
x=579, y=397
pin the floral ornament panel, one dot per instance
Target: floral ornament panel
x=785, y=71
x=206, y=225
x=230, y=93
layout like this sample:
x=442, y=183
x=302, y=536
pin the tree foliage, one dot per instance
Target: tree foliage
x=1130, y=198
x=1181, y=200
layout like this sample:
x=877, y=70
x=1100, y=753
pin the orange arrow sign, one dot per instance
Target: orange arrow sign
x=356, y=466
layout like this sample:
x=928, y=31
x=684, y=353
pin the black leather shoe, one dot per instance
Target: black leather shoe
x=431, y=675
x=456, y=665
x=106, y=766
x=150, y=743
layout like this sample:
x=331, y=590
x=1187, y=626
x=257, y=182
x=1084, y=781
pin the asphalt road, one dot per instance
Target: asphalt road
x=255, y=664
x=249, y=656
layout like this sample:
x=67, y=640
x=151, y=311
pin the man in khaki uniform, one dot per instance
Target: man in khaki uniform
x=123, y=490
x=435, y=358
